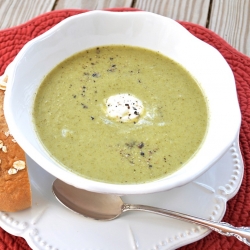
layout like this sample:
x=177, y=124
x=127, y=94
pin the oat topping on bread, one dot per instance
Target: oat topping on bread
x=15, y=191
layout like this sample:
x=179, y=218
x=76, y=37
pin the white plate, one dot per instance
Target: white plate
x=50, y=226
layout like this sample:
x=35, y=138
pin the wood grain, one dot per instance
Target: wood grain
x=195, y=11
x=15, y=12
x=92, y=4
x=230, y=19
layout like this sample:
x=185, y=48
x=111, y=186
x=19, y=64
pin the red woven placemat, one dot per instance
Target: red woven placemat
x=238, y=209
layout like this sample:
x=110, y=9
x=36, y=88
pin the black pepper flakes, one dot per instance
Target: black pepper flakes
x=84, y=106
x=130, y=144
x=140, y=145
x=92, y=118
x=112, y=69
x=126, y=104
x=95, y=75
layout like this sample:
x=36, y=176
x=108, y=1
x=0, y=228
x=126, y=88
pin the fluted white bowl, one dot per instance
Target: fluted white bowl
x=142, y=29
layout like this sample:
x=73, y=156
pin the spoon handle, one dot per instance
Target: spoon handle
x=241, y=233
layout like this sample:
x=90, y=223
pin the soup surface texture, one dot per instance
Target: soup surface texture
x=120, y=114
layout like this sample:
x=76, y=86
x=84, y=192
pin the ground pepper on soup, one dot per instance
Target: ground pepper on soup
x=120, y=114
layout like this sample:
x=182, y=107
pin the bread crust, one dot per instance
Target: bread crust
x=15, y=190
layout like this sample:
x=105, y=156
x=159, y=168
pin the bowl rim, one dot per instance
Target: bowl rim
x=81, y=182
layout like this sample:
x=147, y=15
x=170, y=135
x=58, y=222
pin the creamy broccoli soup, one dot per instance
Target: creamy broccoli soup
x=120, y=114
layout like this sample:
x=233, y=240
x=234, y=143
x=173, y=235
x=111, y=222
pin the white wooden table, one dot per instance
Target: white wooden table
x=230, y=19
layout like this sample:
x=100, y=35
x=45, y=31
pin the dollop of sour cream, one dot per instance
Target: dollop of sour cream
x=124, y=108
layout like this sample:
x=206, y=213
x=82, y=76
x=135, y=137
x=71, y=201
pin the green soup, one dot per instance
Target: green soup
x=71, y=119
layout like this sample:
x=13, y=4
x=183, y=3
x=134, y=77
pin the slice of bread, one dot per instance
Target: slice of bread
x=15, y=190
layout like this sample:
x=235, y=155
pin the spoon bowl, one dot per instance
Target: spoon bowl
x=101, y=206
x=94, y=205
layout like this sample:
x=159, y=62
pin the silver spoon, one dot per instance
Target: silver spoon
x=107, y=207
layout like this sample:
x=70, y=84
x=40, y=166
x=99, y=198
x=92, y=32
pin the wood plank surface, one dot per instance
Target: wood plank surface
x=92, y=4
x=15, y=12
x=230, y=19
x=195, y=11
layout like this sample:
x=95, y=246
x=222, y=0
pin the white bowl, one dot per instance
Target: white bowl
x=142, y=29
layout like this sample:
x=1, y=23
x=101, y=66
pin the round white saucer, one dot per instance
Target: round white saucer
x=48, y=225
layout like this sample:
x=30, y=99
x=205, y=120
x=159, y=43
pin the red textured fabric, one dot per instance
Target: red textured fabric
x=238, y=209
